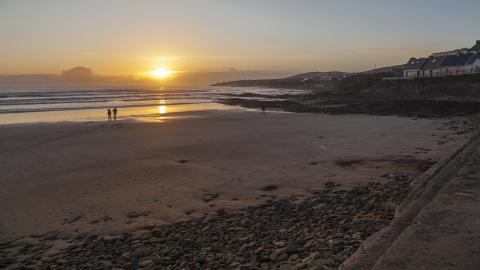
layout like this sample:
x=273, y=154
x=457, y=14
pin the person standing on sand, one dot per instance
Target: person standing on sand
x=264, y=108
x=115, y=113
x=109, y=113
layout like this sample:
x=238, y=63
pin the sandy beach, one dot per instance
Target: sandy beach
x=104, y=177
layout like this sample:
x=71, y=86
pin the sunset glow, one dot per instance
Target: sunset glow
x=161, y=73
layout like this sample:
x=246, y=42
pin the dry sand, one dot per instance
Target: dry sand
x=90, y=176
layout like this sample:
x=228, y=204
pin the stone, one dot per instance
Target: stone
x=313, y=232
x=137, y=214
x=145, y=263
x=286, y=267
x=279, y=243
x=140, y=235
x=141, y=252
x=72, y=219
x=269, y=188
x=209, y=197
x=291, y=249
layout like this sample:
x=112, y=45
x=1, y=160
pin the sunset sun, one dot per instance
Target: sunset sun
x=161, y=73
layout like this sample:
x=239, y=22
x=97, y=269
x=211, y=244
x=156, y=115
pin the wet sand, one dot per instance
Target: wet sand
x=104, y=177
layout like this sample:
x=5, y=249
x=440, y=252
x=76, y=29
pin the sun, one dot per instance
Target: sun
x=161, y=73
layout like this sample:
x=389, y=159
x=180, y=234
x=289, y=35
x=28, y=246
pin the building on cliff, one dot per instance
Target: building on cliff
x=455, y=62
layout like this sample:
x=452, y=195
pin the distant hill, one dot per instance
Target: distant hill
x=299, y=81
x=319, y=75
x=395, y=68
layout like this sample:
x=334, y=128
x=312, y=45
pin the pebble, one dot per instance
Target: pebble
x=269, y=188
x=316, y=232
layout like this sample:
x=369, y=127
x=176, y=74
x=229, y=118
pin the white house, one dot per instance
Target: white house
x=473, y=64
x=456, y=62
x=432, y=66
x=413, y=69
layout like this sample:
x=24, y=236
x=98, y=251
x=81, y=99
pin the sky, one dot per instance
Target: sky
x=119, y=37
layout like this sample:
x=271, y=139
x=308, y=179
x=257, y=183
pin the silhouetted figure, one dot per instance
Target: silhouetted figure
x=109, y=113
x=115, y=113
x=264, y=108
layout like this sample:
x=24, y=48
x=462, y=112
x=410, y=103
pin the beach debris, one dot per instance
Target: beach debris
x=465, y=194
x=183, y=161
x=269, y=188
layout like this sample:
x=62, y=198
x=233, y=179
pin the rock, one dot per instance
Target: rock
x=95, y=221
x=72, y=219
x=140, y=235
x=279, y=243
x=329, y=184
x=293, y=257
x=282, y=257
x=286, y=267
x=156, y=233
x=61, y=261
x=141, y=252
x=5, y=261
x=209, y=197
x=269, y=188
x=291, y=249
x=111, y=238
x=145, y=263
x=138, y=214
x=318, y=231
x=262, y=258
x=189, y=211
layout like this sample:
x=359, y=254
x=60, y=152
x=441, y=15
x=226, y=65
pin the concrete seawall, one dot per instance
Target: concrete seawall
x=438, y=225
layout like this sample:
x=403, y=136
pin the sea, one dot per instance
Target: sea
x=22, y=106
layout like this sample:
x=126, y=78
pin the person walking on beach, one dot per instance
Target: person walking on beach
x=109, y=113
x=264, y=108
x=115, y=113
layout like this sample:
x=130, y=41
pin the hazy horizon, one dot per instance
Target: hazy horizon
x=231, y=40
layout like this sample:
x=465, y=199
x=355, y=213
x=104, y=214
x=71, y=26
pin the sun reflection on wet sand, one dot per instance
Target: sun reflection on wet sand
x=158, y=113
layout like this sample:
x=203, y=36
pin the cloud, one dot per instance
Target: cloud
x=84, y=77
x=78, y=72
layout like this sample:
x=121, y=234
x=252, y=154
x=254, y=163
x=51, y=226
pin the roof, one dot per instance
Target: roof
x=415, y=63
x=476, y=47
x=473, y=59
x=457, y=60
x=434, y=62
